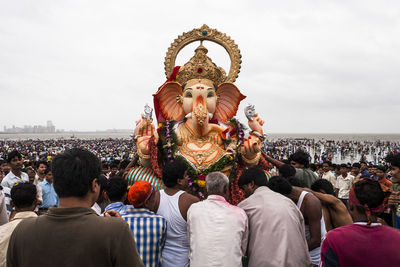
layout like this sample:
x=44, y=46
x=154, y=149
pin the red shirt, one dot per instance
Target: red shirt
x=359, y=245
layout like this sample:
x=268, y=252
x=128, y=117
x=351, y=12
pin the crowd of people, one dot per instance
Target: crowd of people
x=112, y=149
x=75, y=208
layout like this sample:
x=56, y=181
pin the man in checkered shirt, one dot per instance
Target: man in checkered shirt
x=148, y=228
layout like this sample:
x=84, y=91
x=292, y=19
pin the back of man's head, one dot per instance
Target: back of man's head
x=368, y=192
x=253, y=174
x=287, y=170
x=394, y=160
x=216, y=183
x=74, y=171
x=116, y=189
x=300, y=157
x=323, y=186
x=280, y=185
x=23, y=195
x=173, y=171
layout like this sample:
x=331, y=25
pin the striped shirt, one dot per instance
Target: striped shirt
x=149, y=231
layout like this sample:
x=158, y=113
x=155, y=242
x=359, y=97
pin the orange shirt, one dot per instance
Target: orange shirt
x=386, y=186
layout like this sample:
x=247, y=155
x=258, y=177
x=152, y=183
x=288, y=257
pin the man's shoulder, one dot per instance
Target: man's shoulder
x=139, y=213
x=189, y=197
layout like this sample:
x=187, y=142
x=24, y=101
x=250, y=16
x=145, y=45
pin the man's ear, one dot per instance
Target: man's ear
x=105, y=197
x=95, y=185
x=12, y=204
x=179, y=181
x=124, y=197
x=351, y=206
x=227, y=192
x=252, y=185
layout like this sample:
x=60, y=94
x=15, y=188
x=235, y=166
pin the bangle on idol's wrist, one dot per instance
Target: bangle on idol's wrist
x=258, y=135
x=253, y=161
x=141, y=155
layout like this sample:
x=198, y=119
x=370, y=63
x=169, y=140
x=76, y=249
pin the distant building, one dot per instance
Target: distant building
x=49, y=128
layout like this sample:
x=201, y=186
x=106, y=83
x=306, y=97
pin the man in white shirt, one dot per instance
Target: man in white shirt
x=217, y=230
x=24, y=200
x=344, y=183
x=14, y=159
x=328, y=175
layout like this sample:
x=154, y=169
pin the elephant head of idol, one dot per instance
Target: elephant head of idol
x=199, y=92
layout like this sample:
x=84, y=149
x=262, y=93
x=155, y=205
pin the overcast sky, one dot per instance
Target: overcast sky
x=308, y=66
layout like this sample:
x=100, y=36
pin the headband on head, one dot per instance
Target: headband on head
x=353, y=199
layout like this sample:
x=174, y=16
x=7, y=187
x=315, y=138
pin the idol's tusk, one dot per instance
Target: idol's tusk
x=189, y=115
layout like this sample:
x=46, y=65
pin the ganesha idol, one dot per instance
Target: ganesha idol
x=195, y=111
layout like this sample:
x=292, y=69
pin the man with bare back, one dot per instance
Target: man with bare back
x=311, y=209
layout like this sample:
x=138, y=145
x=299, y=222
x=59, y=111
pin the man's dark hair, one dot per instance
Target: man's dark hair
x=313, y=167
x=381, y=168
x=123, y=164
x=23, y=195
x=105, y=165
x=116, y=188
x=254, y=174
x=294, y=181
x=357, y=165
x=41, y=162
x=12, y=155
x=46, y=171
x=287, y=170
x=394, y=160
x=280, y=185
x=324, y=185
x=344, y=165
x=113, y=165
x=74, y=171
x=300, y=157
x=328, y=162
x=173, y=171
x=368, y=192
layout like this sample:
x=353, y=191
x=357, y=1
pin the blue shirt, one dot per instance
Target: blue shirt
x=149, y=230
x=118, y=206
x=50, y=197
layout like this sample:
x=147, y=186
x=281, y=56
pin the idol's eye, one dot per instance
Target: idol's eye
x=188, y=94
x=210, y=94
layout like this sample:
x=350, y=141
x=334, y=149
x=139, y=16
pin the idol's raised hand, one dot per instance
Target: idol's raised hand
x=143, y=132
x=256, y=124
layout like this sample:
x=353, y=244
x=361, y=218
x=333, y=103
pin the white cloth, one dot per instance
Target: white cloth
x=276, y=230
x=176, y=248
x=11, y=179
x=218, y=233
x=7, y=229
x=344, y=185
x=315, y=254
x=96, y=208
x=330, y=177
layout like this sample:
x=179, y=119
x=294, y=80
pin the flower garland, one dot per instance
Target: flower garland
x=196, y=179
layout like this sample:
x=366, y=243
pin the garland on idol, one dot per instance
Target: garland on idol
x=196, y=179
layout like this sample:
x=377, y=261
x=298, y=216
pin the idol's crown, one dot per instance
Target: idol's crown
x=200, y=66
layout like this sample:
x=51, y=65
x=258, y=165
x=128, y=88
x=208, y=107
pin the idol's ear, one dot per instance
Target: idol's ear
x=229, y=98
x=169, y=99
